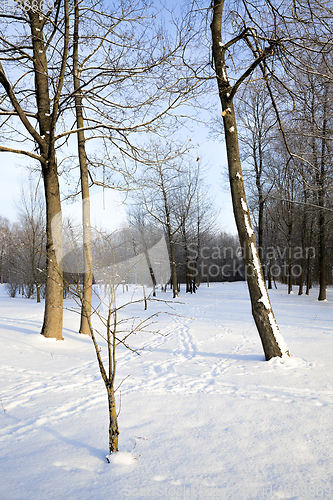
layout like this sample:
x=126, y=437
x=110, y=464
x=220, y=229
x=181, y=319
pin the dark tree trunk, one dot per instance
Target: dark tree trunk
x=321, y=203
x=53, y=312
x=113, y=421
x=290, y=261
x=304, y=236
x=173, y=269
x=271, y=338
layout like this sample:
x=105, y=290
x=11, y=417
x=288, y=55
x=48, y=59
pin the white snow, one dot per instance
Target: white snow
x=249, y=229
x=244, y=205
x=238, y=175
x=248, y=225
x=265, y=300
x=277, y=334
x=121, y=458
x=202, y=414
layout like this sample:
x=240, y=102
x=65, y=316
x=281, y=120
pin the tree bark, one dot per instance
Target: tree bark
x=290, y=260
x=113, y=421
x=173, y=268
x=53, y=312
x=172, y=246
x=43, y=136
x=86, y=225
x=321, y=203
x=271, y=338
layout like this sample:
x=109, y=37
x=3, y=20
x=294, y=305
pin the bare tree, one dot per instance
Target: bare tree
x=127, y=83
x=108, y=320
x=31, y=107
x=84, y=177
x=4, y=242
x=270, y=335
x=163, y=182
x=32, y=238
x=26, y=262
x=257, y=130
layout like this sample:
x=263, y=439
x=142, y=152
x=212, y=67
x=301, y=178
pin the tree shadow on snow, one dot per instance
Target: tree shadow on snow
x=95, y=452
x=11, y=324
x=239, y=357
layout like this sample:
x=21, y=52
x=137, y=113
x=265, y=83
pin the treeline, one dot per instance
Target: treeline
x=289, y=177
x=202, y=253
x=100, y=94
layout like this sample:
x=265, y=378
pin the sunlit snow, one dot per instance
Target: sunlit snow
x=202, y=415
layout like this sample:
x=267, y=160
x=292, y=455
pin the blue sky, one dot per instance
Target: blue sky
x=15, y=174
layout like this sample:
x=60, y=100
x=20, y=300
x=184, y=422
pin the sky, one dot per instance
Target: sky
x=15, y=175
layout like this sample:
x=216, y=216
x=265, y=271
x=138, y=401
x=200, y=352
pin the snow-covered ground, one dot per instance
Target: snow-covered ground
x=202, y=414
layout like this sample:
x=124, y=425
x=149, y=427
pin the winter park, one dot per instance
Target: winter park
x=166, y=263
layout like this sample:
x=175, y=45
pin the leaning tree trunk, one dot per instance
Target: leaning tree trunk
x=87, y=256
x=271, y=338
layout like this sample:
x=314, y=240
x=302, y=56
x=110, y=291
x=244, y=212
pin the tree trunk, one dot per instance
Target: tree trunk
x=304, y=231
x=173, y=269
x=290, y=263
x=271, y=338
x=308, y=275
x=87, y=256
x=261, y=203
x=113, y=421
x=53, y=312
x=322, y=254
x=321, y=203
x=269, y=274
x=151, y=270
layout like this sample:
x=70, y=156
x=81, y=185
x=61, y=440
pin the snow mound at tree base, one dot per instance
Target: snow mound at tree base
x=121, y=458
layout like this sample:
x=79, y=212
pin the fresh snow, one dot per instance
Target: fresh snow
x=244, y=205
x=202, y=415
